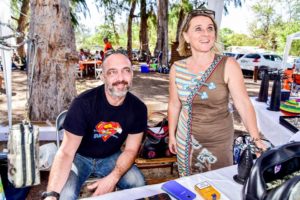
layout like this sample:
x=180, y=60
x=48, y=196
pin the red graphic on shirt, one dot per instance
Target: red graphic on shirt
x=108, y=129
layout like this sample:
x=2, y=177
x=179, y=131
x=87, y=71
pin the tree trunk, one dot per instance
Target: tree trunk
x=162, y=31
x=129, y=29
x=22, y=24
x=180, y=20
x=53, y=84
x=144, y=40
x=117, y=37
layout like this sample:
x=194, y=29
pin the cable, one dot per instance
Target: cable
x=6, y=46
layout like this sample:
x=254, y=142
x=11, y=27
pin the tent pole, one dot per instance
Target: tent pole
x=6, y=58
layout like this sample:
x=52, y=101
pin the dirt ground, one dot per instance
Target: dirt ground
x=152, y=88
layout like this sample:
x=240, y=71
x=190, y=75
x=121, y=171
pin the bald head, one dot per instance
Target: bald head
x=116, y=59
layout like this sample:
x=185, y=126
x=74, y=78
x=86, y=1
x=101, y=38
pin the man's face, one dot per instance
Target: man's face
x=117, y=75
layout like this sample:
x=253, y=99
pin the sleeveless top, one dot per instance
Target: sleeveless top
x=204, y=119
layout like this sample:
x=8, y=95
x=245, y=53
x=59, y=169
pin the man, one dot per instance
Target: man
x=107, y=45
x=82, y=55
x=97, y=56
x=97, y=124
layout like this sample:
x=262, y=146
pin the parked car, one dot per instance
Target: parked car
x=264, y=61
x=235, y=55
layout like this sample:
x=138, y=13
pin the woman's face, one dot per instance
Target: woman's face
x=201, y=34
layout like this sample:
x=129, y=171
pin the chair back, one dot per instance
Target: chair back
x=59, y=125
x=98, y=71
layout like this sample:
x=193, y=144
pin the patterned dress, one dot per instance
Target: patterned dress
x=205, y=127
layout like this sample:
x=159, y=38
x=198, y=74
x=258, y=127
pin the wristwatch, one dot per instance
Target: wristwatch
x=50, y=194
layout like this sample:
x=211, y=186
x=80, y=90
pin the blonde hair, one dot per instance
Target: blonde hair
x=183, y=47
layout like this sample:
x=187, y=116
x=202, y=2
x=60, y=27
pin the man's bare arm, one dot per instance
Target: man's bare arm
x=63, y=161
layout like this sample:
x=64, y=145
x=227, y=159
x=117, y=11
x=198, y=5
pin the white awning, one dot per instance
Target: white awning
x=289, y=40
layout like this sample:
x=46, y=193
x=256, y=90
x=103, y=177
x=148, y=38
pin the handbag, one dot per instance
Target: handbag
x=23, y=148
x=275, y=174
x=242, y=142
x=23, y=155
x=155, y=142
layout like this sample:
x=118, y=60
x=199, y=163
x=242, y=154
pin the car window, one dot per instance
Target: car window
x=239, y=56
x=272, y=57
x=277, y=58
x=253, y=56
x=268, y=57
x=230, y=54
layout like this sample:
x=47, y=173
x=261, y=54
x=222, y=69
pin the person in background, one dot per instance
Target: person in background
x=88, y=54
x=102, y=55
x=97, y=124
x=97, y=56
x=107, y=45
x=82, y=55
x=200, y=123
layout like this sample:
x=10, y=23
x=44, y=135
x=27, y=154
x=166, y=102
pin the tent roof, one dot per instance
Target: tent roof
x=290, y=38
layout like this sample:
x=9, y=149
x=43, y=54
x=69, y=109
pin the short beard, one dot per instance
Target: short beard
x=115, y=93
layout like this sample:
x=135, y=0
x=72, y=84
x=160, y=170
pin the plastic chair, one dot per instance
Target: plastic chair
x=59, y=125
x=78, y=71
x=98, y=71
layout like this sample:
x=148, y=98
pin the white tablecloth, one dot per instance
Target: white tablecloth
x=268, y=124
x=221, y=179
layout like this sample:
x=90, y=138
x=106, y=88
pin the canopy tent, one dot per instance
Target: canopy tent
x=6, y=55
x=289, y=40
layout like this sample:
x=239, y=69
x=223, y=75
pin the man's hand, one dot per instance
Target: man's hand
x=103, y=186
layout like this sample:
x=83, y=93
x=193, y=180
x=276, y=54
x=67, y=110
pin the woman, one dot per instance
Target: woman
x=199, y=95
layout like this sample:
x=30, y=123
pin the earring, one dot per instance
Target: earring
x=188, y=46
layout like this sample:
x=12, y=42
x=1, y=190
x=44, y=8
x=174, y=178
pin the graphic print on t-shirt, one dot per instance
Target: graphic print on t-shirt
x=105, y=130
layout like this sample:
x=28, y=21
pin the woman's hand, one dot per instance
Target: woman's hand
x=172, y=145
x=260, y=145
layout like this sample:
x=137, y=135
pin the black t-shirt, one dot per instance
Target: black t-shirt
x=104, y=127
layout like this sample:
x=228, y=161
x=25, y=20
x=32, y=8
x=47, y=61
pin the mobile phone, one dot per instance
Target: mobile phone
x=178, y=191
x=207, y=191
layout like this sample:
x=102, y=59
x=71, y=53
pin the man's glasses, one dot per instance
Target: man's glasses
x=197, y=12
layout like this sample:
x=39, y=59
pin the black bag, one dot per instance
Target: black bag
x=275, y=175
x=155, y=143
x=240, y=144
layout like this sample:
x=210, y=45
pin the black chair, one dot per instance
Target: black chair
x=59, y=126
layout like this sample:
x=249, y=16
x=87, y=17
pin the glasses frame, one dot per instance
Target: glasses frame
x=197, y=12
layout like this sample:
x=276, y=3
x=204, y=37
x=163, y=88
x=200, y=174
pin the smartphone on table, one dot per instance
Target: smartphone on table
x=207, y=191
x=178, y=191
